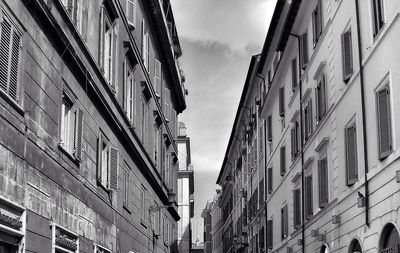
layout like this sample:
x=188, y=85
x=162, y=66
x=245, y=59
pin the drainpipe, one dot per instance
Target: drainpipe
x=303, y=249
x=363, y=115
x=265, y=172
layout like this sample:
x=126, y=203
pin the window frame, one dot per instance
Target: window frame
x=378, y=22
x=323, y=202
x=317, y=22
x=384, y=154
x=308, y=200
x=350, y=181
x=131, y=23
x=347, y=73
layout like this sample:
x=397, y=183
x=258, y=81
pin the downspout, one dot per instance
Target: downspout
x=363, y=115
x=303, y=249
x=265, y=171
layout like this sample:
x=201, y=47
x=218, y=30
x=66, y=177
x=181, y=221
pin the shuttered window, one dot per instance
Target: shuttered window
x=294, y=139
x=323, y=182
x=10, y=47
x=269, y=78
x=167, y=104
x=131, y=12
x=282, y=102
x=294, y=74
x=317, y=22
x=320, y=92
x=308, y=124
x=377, y=16
x=127, y=192
x=269, y=123
x=296, y=208
x=270, y=231
x=145, y=46
x=351, y=154
x=157, y=76
x=129, y=89
x=142, y=204
x=71, y=127
x=283, y=160
x=308, y=197
x=284, y=222
x=270, y=186
x=304, y=50
x=261, y=191
x=384, y=122
x=347, y=55
x=107, y=164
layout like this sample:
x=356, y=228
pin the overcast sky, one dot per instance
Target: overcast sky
x=218, y=38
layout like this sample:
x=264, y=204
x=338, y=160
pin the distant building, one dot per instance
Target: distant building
x=89, y=97
x=185, y=191
x=206, y=214
x=216, y=224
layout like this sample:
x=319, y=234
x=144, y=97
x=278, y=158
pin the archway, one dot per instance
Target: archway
x=390, y=240
x=355, y=246
x=324, y=249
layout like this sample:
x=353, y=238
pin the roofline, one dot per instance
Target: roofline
x=252, y=65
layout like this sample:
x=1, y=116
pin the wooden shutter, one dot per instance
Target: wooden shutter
x=269, y=122
x=101, y=37
x=143, y=42
x=351, y=155
x=283, y=160
x=270, y=180
x=296, y=208
x=310, y=117
x=84, y=24
x=131, y=10
x=99, y=153
x=113, y=167
x=14, y=62
x=347, y=55
x=166, y=108
x=282, y=102
x=5, y=41
x=384, y=123
x=304, y=50
x=78, y=134
x=323, y=182
x=270, y=234
x=282, y=223
x=323, y=96
x=305, y=114
x=292, y=142
x=294, y=74
x=309, y=197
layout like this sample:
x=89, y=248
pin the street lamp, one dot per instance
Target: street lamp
x=171, y=201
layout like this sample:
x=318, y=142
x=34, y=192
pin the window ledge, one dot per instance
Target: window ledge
x=143, y=223
x=126, y=208
x=12, y=102
x=68, y=154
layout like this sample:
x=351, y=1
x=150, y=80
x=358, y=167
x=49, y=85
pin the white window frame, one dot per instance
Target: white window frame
x=54, y=246
x=99, y=247
x=131, y=23
x=68, y=122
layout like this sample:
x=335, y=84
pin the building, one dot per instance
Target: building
x=185, y=191
x=206, y=215
x=216, y=224
x=89, y=97
x=328, y=72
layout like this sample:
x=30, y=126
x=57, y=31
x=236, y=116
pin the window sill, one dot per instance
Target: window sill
x=126, y=208
x=143, y=223
x=131, y=26
x=12, y=102
x=68, y=154
x=102, y=186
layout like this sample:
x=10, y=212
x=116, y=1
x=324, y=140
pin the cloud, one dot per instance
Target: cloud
x=232, y=22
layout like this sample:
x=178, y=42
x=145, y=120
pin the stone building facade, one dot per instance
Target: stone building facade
x=185, y=195
x=329, y=72
x=89, y=97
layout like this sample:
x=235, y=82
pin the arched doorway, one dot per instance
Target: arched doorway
x=355, y=247
x=324, y=249
x=390, y=240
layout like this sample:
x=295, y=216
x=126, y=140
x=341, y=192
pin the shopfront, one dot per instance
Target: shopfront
x=12, y=226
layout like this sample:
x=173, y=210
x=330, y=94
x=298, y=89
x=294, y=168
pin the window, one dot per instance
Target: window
x=107, y=164
x=108, y=38
x=71, y=127
x=166, y=231
x=283, y=160
x=167, y=106
x=131, y=12
x=261, y=191
x=78, y=13
x=100, y=249
x=270, y=231
x=294, y=137
x=143, y=210
x=10, y=50
x=294, y=74
x=270, y=180
x=347, y=55
x=377, y=16
x=384, y=122
x=323, y=182
x=63, y=240
x=157, y=76
x=320, y=93
x=156, y=144
x=296, y=208
x=282, y=102
x=284, y=222
x=308, y=120
x=317, y=22
x=144, y=119
x=269, y=78
x=351, y=154
x=145, y=47
x=129, y=83
x=269, y=122
x=166, y=167
x=127, y=192
x=304, y=50
x=308, y=197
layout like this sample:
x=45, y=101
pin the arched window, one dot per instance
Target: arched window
x=390, y=240
x=355, y=246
